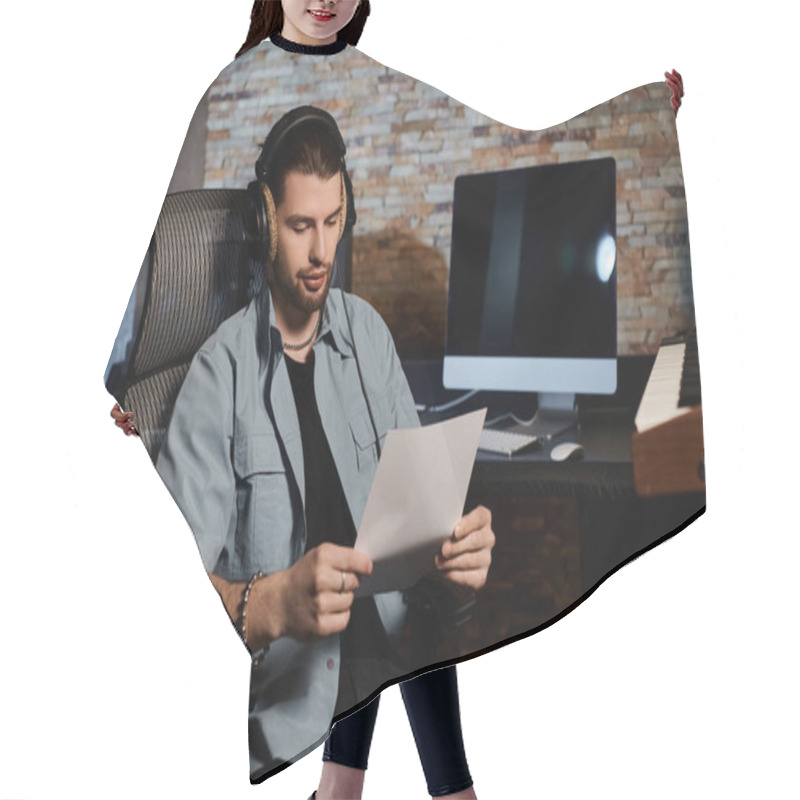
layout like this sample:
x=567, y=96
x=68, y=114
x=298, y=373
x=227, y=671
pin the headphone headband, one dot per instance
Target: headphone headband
x=288, y=123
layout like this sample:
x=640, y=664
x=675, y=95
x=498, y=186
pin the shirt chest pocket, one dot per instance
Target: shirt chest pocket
x=364, y=435
x=265, y=518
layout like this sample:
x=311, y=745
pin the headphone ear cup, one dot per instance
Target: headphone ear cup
x=271, y=243
x=261, y=223
x=254, y=220
x=343, y=207
x=350, y=220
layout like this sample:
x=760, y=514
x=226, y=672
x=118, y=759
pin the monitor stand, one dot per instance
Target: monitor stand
x=558, y=412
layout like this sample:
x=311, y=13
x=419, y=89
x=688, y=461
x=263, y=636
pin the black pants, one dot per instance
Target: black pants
x=432, y=706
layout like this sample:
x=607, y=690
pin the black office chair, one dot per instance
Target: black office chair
x=200, y=272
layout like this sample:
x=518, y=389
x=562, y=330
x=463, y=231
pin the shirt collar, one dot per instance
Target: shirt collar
x=334, y=322
x=334, y=326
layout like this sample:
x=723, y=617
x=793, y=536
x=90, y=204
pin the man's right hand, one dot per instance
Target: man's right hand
x=317, y=591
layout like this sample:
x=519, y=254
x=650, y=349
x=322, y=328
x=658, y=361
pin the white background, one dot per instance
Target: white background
x=119, y=674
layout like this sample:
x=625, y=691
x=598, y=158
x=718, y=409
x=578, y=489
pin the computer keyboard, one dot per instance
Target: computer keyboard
x=506, y=443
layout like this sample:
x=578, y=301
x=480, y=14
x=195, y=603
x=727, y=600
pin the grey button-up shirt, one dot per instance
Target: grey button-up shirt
x=233, y=461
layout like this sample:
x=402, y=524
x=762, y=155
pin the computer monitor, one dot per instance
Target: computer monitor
x=532, y=297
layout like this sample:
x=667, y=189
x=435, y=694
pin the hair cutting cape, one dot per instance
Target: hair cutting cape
x=196, y=358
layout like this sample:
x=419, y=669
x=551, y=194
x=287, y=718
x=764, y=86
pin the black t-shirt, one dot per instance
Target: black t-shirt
x=328, y=519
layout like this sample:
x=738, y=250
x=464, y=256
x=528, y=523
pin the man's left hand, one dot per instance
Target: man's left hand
x=466, y=556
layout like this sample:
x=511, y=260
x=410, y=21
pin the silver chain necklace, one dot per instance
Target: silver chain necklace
x=307, y=342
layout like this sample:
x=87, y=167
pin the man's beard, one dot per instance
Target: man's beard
x=294, y=292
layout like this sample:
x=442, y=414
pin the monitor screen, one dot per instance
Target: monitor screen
x=533, y=279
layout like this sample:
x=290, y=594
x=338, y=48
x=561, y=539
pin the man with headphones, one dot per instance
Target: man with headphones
x=272, y=447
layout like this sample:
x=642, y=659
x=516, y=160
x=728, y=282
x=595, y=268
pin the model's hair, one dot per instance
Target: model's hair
x=311, y=150
x=266, y=18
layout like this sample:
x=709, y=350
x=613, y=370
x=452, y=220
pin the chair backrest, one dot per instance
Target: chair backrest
x=200, y=274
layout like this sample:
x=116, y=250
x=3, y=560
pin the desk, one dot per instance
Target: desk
x=561, y=527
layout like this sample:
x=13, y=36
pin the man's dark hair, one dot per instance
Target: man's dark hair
x=266, y=18
x=309, y=149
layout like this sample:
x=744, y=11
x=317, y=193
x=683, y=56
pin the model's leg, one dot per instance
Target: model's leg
x=345, y=755
x=433, y=711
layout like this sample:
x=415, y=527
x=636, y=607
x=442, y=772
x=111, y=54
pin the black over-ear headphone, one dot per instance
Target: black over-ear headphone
x=260, y=220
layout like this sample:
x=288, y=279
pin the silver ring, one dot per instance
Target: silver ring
x=341, y=590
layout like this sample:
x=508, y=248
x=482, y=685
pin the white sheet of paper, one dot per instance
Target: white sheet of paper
x=416, y=498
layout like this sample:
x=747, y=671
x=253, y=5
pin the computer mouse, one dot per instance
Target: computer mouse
x=567, y=451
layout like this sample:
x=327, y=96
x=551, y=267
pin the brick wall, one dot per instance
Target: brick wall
x=406, y=143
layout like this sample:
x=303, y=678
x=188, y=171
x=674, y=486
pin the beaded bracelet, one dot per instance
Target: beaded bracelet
x=245, y=598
